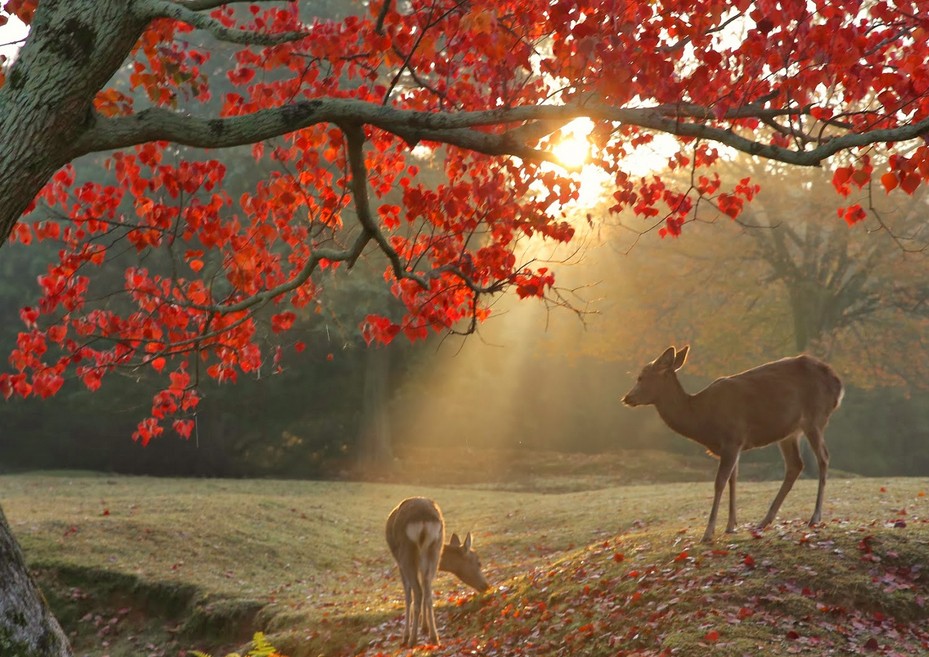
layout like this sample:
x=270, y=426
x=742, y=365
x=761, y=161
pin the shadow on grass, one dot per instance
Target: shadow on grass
x=121, y=615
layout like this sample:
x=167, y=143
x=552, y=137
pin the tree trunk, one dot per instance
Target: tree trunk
x=73, y=49
x=27, y=626
x=374, y=446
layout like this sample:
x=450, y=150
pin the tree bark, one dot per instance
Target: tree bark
x=374, y=443
x=27, y=626
x=72, y=51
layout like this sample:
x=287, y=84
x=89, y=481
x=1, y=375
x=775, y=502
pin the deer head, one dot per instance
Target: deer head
x=459, y=559
x=653, y=379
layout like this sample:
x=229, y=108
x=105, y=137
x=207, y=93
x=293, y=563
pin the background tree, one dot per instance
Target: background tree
x=790, y=276
x=845, y=289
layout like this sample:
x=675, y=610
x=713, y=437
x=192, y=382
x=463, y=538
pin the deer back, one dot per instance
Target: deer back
x=772, y=400
x=415, y=533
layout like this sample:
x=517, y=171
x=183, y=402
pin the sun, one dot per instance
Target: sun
x=573, y=150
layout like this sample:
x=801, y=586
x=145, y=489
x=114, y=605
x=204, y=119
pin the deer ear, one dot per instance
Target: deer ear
x=467, y=543
x=681, y=357
x=454, y=541
x=665, y=360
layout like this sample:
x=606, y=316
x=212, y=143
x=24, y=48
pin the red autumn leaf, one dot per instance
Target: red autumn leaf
x=184, y=428
x=241, y=76
x=57, y=333
x=853, y=214
x=22, y=234
x=712, y=57
x=92, y=378
x=841, y=177
x=283, y=321
x=179, y=380
x=910, y=182
x=889, y=181
x=712, y=636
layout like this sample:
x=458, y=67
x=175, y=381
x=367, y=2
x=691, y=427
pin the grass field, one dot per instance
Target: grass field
x=586, y=558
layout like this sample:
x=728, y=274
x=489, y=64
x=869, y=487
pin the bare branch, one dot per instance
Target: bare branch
x=382, y=16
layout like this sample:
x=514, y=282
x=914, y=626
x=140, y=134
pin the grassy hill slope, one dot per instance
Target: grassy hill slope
x=143, y=566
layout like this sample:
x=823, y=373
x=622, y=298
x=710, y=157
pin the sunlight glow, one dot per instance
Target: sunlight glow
x=573, y=149
x=12, y=34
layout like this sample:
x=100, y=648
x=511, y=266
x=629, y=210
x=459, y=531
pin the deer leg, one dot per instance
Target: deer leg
x=727, y=461
x=793, y=466
x=413, y=633
x=407, y=617
x=429, y=613
x=428, y=566
x=730, y=525
x=818, y=442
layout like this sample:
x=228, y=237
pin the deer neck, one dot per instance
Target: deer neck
x=680, y=412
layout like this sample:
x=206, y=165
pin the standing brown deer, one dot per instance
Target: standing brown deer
x=775, y=402
x=416, y=533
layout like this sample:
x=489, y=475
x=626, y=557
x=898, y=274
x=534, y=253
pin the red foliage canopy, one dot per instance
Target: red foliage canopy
x=334, y=108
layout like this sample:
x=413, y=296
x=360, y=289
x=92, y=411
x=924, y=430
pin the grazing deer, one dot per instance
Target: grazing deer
x=415, y=534
x=775, y=402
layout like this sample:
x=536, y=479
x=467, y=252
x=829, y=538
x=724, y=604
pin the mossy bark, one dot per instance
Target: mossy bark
x=46, y=105
x=27, y=626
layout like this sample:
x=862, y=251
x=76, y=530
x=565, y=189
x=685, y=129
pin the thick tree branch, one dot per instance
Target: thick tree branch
x=456, y=128
x=354, y=134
